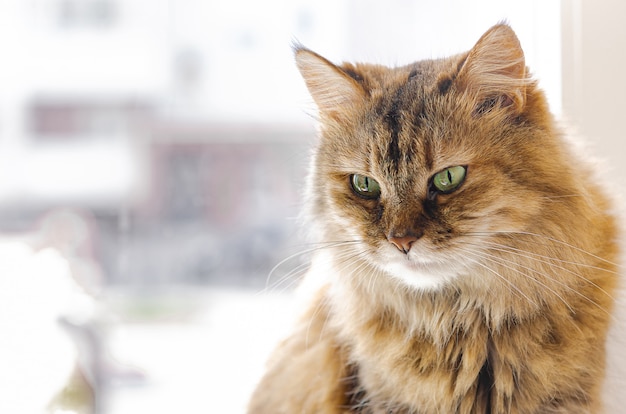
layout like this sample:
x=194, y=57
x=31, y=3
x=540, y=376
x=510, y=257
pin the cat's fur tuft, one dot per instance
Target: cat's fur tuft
x=492, y=298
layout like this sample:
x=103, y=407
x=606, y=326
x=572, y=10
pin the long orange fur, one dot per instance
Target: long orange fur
x=504, y=299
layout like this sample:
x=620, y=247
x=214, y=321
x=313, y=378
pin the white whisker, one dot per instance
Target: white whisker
x=484, y=266
x=293, y=277
x=549, y=261
x=545, y=237
x=305, y=252
x=518, y=269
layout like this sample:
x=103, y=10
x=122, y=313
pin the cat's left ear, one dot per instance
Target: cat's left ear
x=332, y=88
x=494, y=71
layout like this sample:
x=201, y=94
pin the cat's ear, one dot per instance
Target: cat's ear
x=331, y=87
x=494, y=71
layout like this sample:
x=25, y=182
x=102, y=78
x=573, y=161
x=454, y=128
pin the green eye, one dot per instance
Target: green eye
x=365, y=186
x=449, y=179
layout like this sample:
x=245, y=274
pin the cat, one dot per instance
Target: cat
x=465, y=252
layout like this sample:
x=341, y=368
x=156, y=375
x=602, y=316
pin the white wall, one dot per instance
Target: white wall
x=594, y=88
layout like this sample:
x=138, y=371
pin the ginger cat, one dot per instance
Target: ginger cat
x=467, y=252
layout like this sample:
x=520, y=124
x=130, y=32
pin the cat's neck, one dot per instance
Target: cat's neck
x=368, y=299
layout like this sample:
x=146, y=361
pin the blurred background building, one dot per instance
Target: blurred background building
x=164, y=123
x=160, y=146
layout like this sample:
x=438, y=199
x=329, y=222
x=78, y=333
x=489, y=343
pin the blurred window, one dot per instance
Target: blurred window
x=62, y=119
x=85, y=13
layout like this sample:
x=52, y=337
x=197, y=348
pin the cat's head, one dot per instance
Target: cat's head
x=419, y=165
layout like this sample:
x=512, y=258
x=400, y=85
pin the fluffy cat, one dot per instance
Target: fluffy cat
x=467, y=253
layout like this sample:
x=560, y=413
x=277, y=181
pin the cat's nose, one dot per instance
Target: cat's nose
x=403, y=243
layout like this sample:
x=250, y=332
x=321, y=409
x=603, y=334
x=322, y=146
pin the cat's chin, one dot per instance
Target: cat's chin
x=421, y=275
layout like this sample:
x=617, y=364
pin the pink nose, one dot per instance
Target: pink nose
x=402, y=243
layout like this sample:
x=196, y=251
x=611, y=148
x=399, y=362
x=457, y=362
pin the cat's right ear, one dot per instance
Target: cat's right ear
x=330, y=86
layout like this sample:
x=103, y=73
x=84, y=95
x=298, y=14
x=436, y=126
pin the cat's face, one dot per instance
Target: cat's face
x=420, y=167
